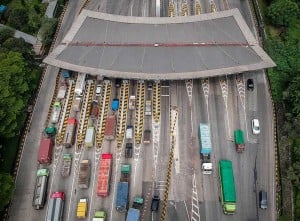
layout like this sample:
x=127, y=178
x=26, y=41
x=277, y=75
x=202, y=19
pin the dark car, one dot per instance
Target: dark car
x=128, y=150
x=150, y=85
x=250, y=84
x=118, y=82
x=155, y=203
x=263, y=199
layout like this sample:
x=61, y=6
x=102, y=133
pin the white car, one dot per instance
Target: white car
x=255, y=126
x=98, y=90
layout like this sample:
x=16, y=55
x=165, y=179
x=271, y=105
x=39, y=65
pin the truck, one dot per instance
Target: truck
x=125, y=172
x=128, y=150
x=69, y=137
x=66, y=166
x=61, y=92
x=66, y=73
x=129, y=132
x=94, y=109
x=110, y=127
x=50, y=130
x=239, y=141
x=146, y=137
x=84, y=174
x=99, y=216
x=80, y=84
x=82, y=208
x=55, y=112
x=227, y=187
x=205, y=148
x=40, y=190
x=122, y=197
x=56, y=206
x=138, y=203
x=115, y=104
x=89, y=137
x=132, y=102
x=104, y=174
x=77, y=104
x=45, y=151
x=148, y=108
x=133, y=215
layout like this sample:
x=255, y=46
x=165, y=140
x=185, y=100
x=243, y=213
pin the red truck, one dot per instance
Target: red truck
x=45, y=151
x=110, y=127
x=70, y=132
x=104, y=174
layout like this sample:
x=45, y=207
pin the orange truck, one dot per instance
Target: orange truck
x=104, y=175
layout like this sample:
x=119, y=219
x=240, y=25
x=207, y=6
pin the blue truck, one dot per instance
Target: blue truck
x=115, y=104
x=133, y=215
x=122, y=197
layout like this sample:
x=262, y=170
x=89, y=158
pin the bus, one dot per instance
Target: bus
x=227, y=187
x=40, y=190
x=56, y=206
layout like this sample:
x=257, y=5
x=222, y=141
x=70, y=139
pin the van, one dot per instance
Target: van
x=155, y=203
x=263, y=199
x=98, y=90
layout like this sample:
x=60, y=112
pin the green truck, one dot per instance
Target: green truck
x=227, y=187
x=239, y=141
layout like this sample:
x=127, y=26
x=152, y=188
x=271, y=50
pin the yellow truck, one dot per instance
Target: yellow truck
x=82, y=208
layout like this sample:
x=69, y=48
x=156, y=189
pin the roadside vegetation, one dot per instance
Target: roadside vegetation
x=19, y=74
x=282, y=19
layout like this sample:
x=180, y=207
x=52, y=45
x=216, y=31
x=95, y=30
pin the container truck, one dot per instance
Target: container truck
x=227, y=187
x=99, y=216
x=55, y=112
x=133, y=215
x=80, y=84
x=146, y=137
x=67, y=163
x=115, y=104
x=89, y=137
x=239, y=141
x=132, y=102
x=77, y=104
x=122, y=197
x=70, y=132
x=125, y=173
x=110, y=127
x=82, y=208
x=129, y=132
x=40, y=190
x=45, y=151
x=205, y=148
x=56, y=206
x=104, y=174
x=148, y=108
x=84, y=174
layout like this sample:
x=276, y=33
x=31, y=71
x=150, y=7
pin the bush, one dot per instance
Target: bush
x=18, y=18
x=5, y=33
x=47, y=30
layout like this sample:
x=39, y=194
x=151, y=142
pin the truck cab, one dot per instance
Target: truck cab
x=82, y=208
x=115, y=104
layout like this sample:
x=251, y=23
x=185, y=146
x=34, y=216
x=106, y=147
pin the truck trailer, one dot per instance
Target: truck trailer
x=110, y=127
x=205, y=148
x=56, y=206
x=40, y=190
x=89, y=137
x=67, y=163
x=133, y=215
x=55, y=112
x=80, y=84
x=77, y=104
x=122, y=197
x=69, y=137
x=104, y=174
x=45, y=151
x=84, y=174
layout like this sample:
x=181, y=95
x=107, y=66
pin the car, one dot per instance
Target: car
x=98, y=90
x=150, y=85
x=263, y=199
x=155, y=203
x=128, y=150
x=250, y=84
x=118, y=82
x=255, y=126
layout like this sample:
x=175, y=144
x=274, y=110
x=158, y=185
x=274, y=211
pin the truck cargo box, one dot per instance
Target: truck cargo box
x=146, y=137
x=132, y=102
x=89, y=137
x=110, y=128
x=69, y=137
x=104, y=174
x=77, y=104
x=66, y=167
x=45, y=151
x=122, y=197
x=61, y=92
x=148, y=108
x=133, y=215
x=55, y=112
x=55, y=206
x=84, y=174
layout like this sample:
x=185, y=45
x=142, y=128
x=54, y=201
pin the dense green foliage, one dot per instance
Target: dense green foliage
x=47, y=30
x=19, y=75
x=283, y=45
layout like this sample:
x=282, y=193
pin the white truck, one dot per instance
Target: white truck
x=80, y=84
x=132, y=102
x=148, y=108
x=56, y=112
x=129, y=132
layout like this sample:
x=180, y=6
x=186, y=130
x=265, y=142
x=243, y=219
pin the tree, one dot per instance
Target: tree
x=13, y=95
x=293, y=98
x=5, y=33
x=7, y=187
x=48, y=29
x=282, y=12
x=18, y=18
